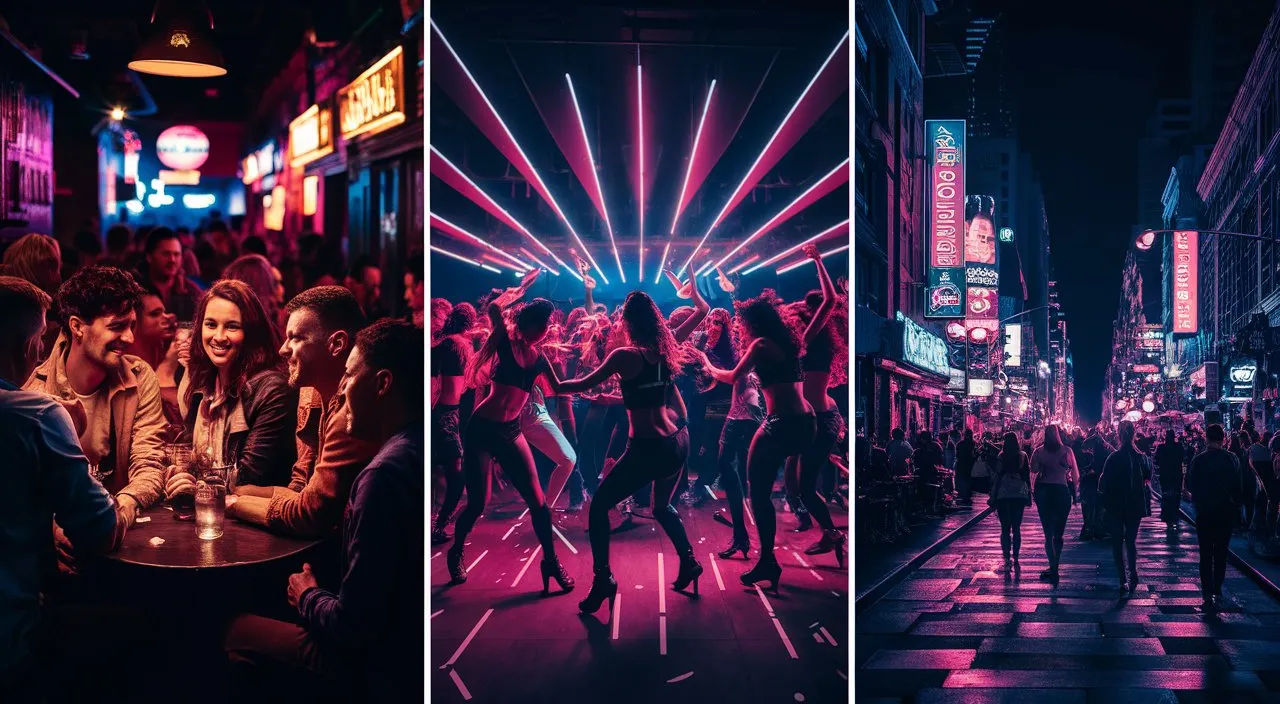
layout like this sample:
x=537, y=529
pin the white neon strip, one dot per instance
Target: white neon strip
x=796, y=248
x=844, y=165
x=461, y=258
x=693, y=154
x=540, y=263
x=475, y=562
x=564, y=540
x=595, y=175
x=617, y=613
x=523, y=230
x=662, y=593
x=715, y=568
x=745, y=262
x=523, y=265
x=467, y=641
x=666, y=249
x=706, y=269
x=640, y=122
x=824, y=255
x=505, y=265
x=510, y=531
x=768, y=144
x=551, y=199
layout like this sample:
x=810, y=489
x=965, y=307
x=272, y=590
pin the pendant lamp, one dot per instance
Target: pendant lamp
x=180, y=44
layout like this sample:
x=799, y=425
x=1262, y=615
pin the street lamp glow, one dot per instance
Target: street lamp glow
x=1146, y=240
x=117, y=114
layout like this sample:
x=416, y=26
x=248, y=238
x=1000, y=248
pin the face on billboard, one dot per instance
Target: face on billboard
x=980, y=240
x=982, y=303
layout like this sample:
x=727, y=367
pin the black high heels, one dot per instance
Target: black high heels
x=766, y=570
x=439, y=536
x=738, y=545
x=832, y=541
x=453, y=558
x=690, y=571
x=552, y=569
x=603, y=588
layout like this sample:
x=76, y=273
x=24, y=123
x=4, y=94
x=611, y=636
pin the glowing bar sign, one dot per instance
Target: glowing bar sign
x=922, y=348
x=1186, y=282
x=944, y=296
x=310, y=136
x=375, y=101
x=182, y=147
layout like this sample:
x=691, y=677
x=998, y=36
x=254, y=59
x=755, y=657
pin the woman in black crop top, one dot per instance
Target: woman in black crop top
x=657, y=446
x=448, y=375
x=825, y=354
x=774, y=353
x=510, y=360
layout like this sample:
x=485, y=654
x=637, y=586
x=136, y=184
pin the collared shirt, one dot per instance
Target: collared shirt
x=45, y=478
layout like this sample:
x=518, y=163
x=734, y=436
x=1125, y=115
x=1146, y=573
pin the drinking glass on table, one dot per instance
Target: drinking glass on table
x=211, y=501
x=181, y=456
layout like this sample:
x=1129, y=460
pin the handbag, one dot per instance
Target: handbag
x=1010, y=486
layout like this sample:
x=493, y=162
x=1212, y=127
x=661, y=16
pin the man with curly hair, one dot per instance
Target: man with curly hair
x=113, y=397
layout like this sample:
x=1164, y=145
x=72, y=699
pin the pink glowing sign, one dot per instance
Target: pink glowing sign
x=183, y=147
x=946, y=209
x=1186, y=284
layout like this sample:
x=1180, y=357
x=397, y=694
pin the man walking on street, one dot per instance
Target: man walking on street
x=1214, y=483
x=1169, y=461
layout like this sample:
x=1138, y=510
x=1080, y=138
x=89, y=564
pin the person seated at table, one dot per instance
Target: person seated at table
x=46, y=479
x=319, y=334
x=113, y=396
x=365, y=635
x=153, y=343
x=235, y=397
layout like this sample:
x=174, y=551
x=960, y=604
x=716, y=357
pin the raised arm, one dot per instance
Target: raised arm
x=729, y=376
x=829, y=296
x=700, y=309
x=570, y=386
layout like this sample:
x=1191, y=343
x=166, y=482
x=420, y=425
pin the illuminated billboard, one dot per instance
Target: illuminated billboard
x=1186, y=283
x=1013, y=345
x=981, y=275
x=375, y=101
x=945, y=196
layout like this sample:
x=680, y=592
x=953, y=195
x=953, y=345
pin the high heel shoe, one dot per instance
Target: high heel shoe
x=603, y=587
x=766, y=570
x=832, y=541
x=690, y=571
x=804, y=522
x=453, y=558
x=738, y=545
x=552, y=569
x=439, y=536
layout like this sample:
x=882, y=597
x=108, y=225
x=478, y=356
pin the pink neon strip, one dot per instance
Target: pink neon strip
x=756, y=172
x=461, y=258
x=806, y=260
x=460, y=182
x=750, y=259
x=442, y=224
x=541, y=263
x=595, y=176
x=494, y=260
x=523, y=164
x=693, y=154
x=640, y=123
x=834, y=179
x=797, y=248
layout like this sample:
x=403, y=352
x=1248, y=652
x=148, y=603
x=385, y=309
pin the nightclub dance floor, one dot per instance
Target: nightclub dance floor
x=496, y=639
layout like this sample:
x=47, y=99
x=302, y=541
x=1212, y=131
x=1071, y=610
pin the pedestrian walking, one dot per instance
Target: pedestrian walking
x=1122, y=488
x=1054, y=478
x=1010, y=495
x=966, y=456
x=1214, y=484
x=1169, y=461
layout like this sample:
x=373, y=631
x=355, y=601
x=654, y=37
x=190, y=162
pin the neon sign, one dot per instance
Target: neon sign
x=922, y=348
x=375, y=101
x=182, y=147
x=310, y=136
x=1186, y=284
x=945, y=188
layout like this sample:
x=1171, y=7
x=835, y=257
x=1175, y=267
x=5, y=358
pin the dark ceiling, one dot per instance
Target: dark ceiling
x=256, y=39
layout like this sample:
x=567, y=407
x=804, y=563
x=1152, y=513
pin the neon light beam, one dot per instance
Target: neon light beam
x=595, y=175
x=451, y=227
x=693, y=154
x=551, y=200
x=796, y=248
x=666, y=249
x=806, y=260
x=461, y=258
x=640, y=124
x=763, y=152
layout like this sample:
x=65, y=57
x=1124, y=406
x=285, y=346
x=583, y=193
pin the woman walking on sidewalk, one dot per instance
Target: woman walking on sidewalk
x=1124, y=498
x=1011, y=495
x=1055, y=477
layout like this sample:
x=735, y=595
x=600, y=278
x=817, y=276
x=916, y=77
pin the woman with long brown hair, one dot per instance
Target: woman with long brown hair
x=235, y=395
x=657, y=443
x=1055, y=478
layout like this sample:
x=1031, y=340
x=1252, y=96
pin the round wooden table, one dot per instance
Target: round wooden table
x=240, y=544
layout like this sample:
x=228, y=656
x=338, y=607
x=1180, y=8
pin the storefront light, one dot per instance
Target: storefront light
x=310, y=194
x=198, y=201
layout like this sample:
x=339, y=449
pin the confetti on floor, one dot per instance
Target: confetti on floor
x=681, y=678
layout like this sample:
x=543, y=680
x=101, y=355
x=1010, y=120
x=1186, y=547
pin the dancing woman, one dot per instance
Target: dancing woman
x=789, y=428
x=494, y=429
x=657, y=444
x=824, y=351
x=448, y=373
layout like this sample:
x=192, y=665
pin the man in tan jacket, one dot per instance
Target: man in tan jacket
x=113, y=397
x=319, y=335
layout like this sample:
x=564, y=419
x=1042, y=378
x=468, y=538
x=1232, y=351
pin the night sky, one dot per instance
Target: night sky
x=1086, y=80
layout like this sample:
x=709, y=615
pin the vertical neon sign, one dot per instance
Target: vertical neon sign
x=944, y=296
x=1186, y=282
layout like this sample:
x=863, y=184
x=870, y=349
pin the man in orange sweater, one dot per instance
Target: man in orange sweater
x=319, y=335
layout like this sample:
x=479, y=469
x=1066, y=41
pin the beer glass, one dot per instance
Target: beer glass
x=211, y=501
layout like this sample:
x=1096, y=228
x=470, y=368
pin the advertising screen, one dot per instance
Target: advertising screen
x=1186, y=282
x=1013, y=345
x=982, y=276
x=945, y=196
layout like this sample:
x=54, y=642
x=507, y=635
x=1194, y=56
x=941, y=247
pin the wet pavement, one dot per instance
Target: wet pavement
x=496, y=639
x=962, y=629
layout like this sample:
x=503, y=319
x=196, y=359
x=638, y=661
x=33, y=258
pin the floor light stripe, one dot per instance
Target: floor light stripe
x=467, y=641
x=524, y=569
x=462, y=688
x=715, y=568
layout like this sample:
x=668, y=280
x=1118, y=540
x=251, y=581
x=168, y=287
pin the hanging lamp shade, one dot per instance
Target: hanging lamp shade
x=181, y=44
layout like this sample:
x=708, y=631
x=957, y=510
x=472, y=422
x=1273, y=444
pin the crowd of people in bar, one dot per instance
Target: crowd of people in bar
x=317, y=402
x=605, y=396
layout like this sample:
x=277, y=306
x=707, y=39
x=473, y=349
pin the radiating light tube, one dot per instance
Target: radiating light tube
x=796, y=248
x=806, y=260
x=481, y=242
x=693, y=154
x=461, y=258
x=595, y=175
x=640, y=141
x=666, y=249
x=748, y=260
